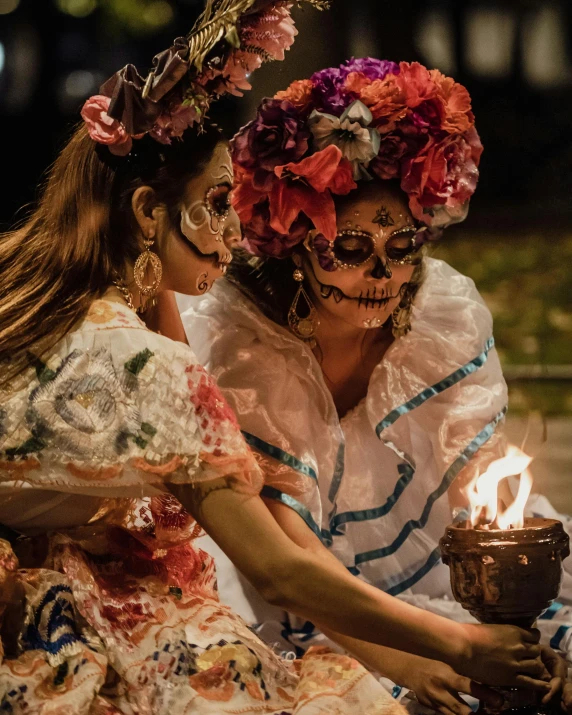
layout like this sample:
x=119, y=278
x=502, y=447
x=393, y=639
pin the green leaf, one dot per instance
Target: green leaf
x=137, y=363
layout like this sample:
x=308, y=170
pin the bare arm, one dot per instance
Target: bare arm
x=307, y=584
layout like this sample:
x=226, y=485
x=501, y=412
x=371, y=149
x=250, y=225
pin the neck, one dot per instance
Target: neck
x=333, y=334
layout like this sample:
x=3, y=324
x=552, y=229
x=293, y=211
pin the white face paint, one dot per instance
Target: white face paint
x=364, y=296
x=203, y=220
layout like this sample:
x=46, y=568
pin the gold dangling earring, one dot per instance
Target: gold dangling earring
x=303, y=327
x=401, y=316
x=140, y=268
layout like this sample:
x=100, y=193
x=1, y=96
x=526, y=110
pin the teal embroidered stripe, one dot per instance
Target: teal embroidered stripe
x=558, y=636
x=552, y=610
x=338, y=473
x=279, y=454
x=439, y=387
x=410, y=526
x=433, y=560
x=272, y=493
x=406, y=471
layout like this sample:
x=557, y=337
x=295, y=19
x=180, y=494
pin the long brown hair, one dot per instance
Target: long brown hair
x=81, y=235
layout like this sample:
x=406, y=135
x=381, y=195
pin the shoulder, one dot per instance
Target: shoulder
x=449, y=304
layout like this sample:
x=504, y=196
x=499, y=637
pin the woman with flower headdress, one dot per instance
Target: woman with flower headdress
x=115, y=443
x=362, y=372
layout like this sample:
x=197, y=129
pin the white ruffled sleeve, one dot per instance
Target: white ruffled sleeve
x=116, y=410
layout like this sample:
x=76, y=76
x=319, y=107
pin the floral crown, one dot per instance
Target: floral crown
x=230, y=40
x=367, y=118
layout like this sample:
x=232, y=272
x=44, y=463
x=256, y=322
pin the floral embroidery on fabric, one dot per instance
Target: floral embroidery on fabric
x=100, y=312
x=122, y=615
x=208, y=399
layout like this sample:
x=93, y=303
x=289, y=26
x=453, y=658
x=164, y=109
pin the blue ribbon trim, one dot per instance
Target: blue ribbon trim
x=552, y=611
x=483, y=436
x=407, y=473
x=279, y=454
x=338, y=473
x=558, y=636
x=272, y=493
x=439, y=387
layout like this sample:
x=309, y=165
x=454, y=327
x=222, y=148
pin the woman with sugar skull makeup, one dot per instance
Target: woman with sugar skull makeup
x=116, y=446
x=362, y=372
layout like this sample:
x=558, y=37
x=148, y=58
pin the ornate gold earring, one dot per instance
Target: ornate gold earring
x=139, y=270
x=302, y=325
x=401, y=316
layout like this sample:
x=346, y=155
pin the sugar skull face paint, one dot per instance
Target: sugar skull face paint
x=199, y=247
x=361, y=276
x=203, y=220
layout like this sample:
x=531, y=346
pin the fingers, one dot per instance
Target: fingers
x=555, y=687
x=567, y=698
x=555, y=664
x=482, y=692
x=531, y=635
x=451, y=704
x=524, y=681
x=530, y=650
x=534, y=668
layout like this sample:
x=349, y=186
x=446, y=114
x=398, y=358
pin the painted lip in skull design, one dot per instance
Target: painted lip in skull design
x=371, y=298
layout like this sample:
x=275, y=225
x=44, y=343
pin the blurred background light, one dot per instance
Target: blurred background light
x=80, y=84
x=435, y=40
x=76, y=8
x=490, y=41
x=157, y=14
x=2, y=57
x=8, y=6
x=545, y=56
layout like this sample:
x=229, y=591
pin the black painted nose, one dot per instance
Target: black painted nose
x=381, y=269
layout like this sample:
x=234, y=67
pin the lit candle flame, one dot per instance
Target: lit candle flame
x=483, y=492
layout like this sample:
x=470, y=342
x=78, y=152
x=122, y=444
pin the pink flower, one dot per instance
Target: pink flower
x=237, y=68
x=269, y=33
x=442, y=178
x=102, y=128
x=173, y=124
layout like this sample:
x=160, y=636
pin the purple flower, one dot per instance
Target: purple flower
x=276, y=137
x=371, y=67
x=330, y=94
x=261, y=239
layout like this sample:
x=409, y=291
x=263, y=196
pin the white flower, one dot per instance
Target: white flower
x=358, y=142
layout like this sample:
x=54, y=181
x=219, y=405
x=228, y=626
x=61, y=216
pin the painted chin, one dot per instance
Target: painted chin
x=369, y=309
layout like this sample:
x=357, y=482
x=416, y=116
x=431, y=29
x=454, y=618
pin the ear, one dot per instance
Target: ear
x=148, y=213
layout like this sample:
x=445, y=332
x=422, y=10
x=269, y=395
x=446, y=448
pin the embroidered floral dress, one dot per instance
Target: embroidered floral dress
x=113, y=608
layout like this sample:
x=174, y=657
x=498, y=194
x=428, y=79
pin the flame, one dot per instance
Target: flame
x=483, y=491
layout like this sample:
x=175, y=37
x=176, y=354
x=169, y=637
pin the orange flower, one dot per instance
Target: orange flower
x=299, y=93
x=100, y=312
x=456, y=102
x=385, y=98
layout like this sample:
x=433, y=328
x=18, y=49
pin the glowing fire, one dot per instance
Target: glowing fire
x=483, y=492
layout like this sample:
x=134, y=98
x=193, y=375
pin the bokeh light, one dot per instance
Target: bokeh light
x=76, y=8
x=8, y=6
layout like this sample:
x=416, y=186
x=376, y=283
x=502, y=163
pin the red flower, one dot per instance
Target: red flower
x=444, y=175
x=303, y=187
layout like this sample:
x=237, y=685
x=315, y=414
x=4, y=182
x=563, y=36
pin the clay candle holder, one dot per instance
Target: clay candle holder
x=507, y=576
